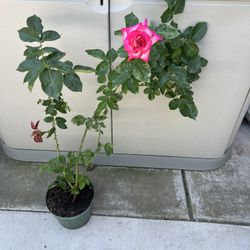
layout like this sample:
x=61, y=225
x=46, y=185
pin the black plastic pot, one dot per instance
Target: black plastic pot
x=76, y=221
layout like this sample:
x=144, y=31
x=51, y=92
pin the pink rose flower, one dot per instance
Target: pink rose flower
x=37, y=134
x=138, y=40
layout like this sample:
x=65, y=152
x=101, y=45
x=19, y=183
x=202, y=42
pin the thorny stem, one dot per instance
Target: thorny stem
x=55, y=137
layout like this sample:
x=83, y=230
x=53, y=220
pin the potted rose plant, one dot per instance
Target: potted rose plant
x=161, y=59
x=70, y=196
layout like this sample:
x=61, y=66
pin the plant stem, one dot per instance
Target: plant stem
x=56, y=139
x=98, y=141
x=79, y=151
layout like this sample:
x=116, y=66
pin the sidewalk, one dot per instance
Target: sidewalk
x=35, y=231
x=220, y=196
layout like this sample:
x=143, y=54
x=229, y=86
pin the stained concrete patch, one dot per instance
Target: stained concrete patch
x=22, y=185
x=139, y=192
x=118, y=191
x=224, y=194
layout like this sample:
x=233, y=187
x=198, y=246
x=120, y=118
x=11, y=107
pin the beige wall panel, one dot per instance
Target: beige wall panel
x=80, y=29
x=143, y=127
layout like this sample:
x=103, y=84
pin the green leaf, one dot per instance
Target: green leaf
x=61, y=125
x=64, y=67
x=69, y=64
x=112, y=104
x=32, y=52
x=179, y=6
x=193, y=77
x=151, y=95
x=204, y=62
x=51, y=110
x=141, y=71
x=35, y=22
x=111, y=55
x=44, y=167
x=35, y=67
x=194, y=66
x=187, y=33
x=101, y=106
x=46, y=102
x=83, y=69
x=171, y=3
x=174, y=24
x=167, y=31
x=74, y=191
x=96, y=53
x=179, y=75
x=101, y=78
x=82, y=182
x=174, y=104
x=49, y=50
x=89, y=123
x=167, y=15
x=164, y=77
x=101, y=88
x=108, y=147
x=55, y=56
x=48, y=119
x=177, y=42
x=50, y=35
x=133, y=85
x=184, y=109
x=176, y=55
x=131, y=19
x=78, y=120
x=87, y=158
x=27, y=64
x=51, y=132
x=73, y=82
x=112, y=75
x=28, y=34
x=124, y=88
x=199, y=31
x=118, y=33
x=170, y=94
x=120, y=78
x=102, y=98
x=121, y=52
x=191, y=49
x=61, y=106
x=187, y=107
x=52, y=82
x=69, y=176
x=102, y=68
x=193, y=111
x=60, y=119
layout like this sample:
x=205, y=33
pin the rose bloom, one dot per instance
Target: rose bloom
x=138, y=40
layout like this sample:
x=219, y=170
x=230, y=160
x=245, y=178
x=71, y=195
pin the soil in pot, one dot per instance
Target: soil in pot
x=61, y=203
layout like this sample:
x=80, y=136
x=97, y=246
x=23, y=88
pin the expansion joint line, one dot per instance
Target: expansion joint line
x=187, y=195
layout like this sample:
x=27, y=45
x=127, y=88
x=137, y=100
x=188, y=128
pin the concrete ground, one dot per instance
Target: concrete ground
x=220, y=196
x=35, y=231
